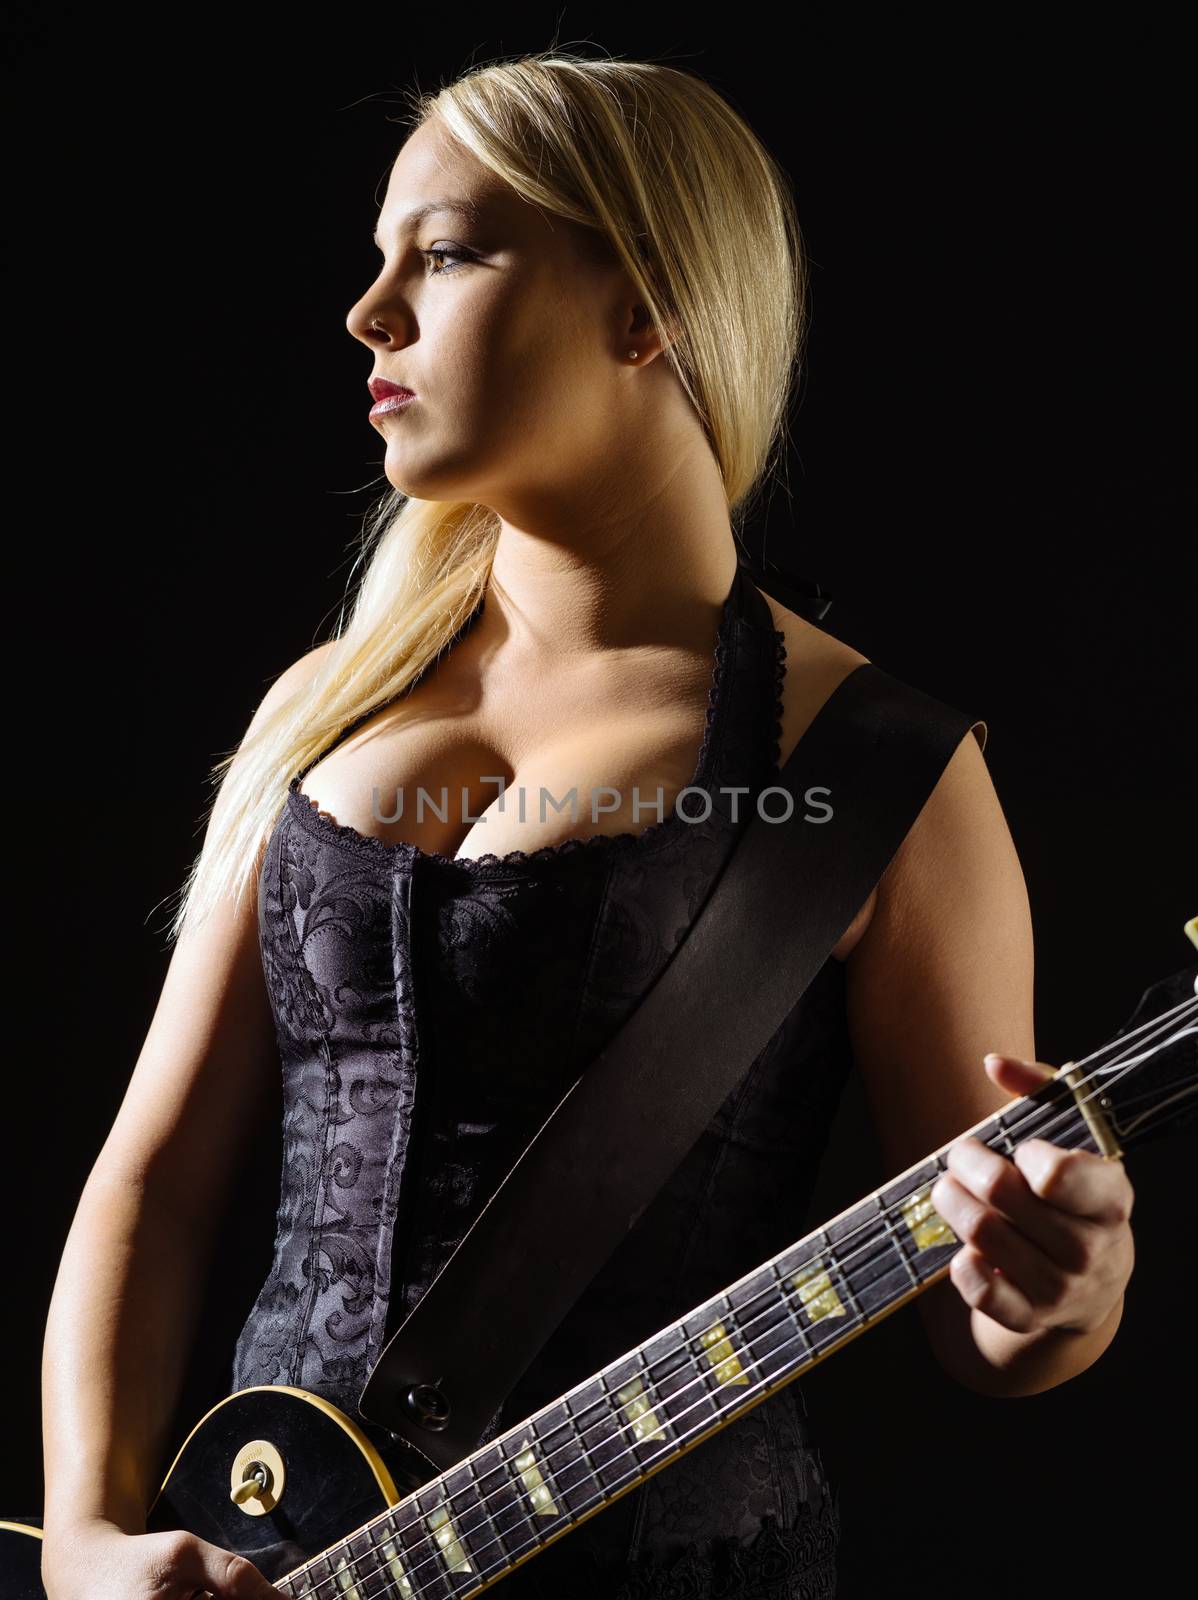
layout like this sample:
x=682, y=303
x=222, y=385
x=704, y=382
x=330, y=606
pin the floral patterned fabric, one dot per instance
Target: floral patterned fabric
x=430, y=1015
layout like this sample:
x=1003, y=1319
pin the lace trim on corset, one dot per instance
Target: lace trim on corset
x=780, y=1563
x=309, y=813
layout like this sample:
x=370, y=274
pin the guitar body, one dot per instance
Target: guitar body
x=331, y=1480
x=21, y=1561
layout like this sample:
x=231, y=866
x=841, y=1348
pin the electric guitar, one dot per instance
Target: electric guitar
x=286, y=1479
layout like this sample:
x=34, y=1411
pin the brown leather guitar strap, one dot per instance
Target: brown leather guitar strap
x=787, y=892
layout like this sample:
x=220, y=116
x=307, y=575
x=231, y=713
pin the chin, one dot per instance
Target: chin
x=449, y=480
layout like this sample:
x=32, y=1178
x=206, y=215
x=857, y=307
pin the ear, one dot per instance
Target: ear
x=644, y=338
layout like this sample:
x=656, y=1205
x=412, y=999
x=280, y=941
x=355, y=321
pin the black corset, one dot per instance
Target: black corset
x=430, y=1015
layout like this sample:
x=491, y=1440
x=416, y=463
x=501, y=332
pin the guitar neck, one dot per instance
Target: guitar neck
x=465, y=1529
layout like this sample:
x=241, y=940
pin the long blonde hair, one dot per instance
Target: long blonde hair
x=663, y=172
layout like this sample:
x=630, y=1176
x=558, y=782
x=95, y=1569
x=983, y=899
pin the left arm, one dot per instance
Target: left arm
x=942, y=975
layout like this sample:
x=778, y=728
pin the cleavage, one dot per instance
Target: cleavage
x=661, y=750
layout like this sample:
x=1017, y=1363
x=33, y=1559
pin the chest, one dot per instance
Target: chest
x=465, y=770
x=449, y=788
x=470, y=762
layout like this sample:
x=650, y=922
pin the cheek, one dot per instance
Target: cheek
x=558, y=380
x=516, y=367
x=487, y=355
x=522, y=374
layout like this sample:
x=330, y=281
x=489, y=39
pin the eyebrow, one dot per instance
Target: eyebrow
x=464, y=208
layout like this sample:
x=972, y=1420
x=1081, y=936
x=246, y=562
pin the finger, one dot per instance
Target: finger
x=1090, y=1187
x=1037, y=1277
x=1079, y=1182
x=229, y=1576
x=1001, y=1184
x=1016, y=1076
x=981, y=1286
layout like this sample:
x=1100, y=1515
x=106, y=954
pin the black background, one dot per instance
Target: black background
x=987, y=472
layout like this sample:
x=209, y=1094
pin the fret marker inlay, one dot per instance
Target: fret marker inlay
x=928, y=1227
x=344, y=1579
x=722, y=1356
x=817, y=1294
x=403, y=1585
x=439, y=1523
x=639, y=1412
x=530, y=1475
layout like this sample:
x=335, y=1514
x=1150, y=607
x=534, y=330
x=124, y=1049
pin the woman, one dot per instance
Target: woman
x=591, y=287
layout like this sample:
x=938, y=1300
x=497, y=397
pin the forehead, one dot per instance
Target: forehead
x=433, y=169
x=433, y=172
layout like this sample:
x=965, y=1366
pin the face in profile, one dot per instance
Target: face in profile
x=512, y=334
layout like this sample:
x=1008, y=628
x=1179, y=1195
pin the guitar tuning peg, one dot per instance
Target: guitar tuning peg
x=1192, y=929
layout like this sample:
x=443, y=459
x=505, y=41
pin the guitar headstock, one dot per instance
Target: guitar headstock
x=1145, y=1078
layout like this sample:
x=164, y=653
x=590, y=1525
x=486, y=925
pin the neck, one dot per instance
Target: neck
x=625, y=584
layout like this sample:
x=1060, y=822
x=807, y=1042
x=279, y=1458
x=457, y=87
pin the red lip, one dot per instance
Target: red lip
x=380, y=388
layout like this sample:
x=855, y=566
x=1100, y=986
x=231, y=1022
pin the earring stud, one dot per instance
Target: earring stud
x=632, y=355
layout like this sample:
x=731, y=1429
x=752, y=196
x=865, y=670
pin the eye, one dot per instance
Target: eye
x=446, y=254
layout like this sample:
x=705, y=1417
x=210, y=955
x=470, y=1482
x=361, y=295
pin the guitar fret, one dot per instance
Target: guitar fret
x=788, y=1293
x=897, y=1243
x=475, y=1528
x=639, y=1409
x=504, y=1494
x=674, y=1373
x=816, y=1307
x=362, y=1565
x=928, y=1240
x=584, y=1447
x=852, y=1229
x=726, y=1348
x=864, y=1261
x=345, y=1571
x=393, y=1562
x=456, y=1569
x=594, y=1413
x=1003, y=1135
x=766, y=1324
x=429, y=1549
x=321, y=1573
x=568, y=1475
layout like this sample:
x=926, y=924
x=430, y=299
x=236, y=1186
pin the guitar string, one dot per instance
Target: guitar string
x=481, y=1501
x=422, y=1553
x=448, y=1503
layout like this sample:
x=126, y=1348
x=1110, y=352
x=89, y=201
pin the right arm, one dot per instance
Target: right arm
x=127, y=1294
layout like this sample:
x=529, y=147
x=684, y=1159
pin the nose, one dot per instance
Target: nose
x=366, y=324
x=367, y=330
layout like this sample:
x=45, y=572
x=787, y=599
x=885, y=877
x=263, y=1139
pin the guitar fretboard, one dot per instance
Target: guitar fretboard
x=468, y=1527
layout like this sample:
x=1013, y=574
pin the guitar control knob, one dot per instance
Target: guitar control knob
x=251, y=1488
x=426, y=1405
x=257, y=1477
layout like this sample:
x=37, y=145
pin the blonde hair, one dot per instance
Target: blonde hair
x=665, y=176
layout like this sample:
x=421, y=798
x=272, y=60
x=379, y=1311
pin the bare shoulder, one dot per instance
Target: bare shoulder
x=296, y=676
x=816, y=665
